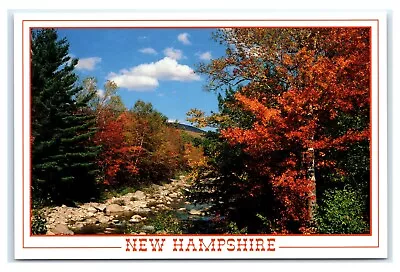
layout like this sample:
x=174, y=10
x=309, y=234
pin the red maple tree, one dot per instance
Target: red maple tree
x=296, y=106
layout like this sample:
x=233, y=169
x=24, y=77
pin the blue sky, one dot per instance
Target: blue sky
x=153, y=64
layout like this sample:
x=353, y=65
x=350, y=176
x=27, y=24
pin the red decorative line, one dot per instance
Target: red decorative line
x=75, y=247
x=329, y=247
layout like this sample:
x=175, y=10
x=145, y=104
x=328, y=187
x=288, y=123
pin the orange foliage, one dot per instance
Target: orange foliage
x=120, y=150
x=331, y=77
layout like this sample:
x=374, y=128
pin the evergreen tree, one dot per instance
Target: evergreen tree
x=63, y=158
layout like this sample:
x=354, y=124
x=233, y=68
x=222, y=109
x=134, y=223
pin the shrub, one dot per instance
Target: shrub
x=38, y=223
x=341, y=212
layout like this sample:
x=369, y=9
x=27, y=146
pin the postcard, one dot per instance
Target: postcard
x=200, y=136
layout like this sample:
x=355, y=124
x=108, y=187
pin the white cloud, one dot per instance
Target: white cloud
x=205, y=55
x=145, y=77
x=178, y=121
x=184, y=38
x=173, y=53
x=100, y=93
x=88, y=63
x=148, y=50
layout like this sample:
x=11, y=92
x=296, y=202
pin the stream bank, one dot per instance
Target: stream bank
x=160, y=209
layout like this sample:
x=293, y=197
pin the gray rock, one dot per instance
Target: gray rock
x=61, y=229
x=114, y=208
x=142, y=211
x=150, y=229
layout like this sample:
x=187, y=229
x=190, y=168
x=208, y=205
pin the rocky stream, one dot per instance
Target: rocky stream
x=131, y=213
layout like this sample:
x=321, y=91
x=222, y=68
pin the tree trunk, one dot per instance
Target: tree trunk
x=312, y=196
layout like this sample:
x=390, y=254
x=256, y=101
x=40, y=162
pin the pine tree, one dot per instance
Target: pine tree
x=63, y=158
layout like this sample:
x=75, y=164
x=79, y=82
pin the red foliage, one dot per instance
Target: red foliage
x=294, y=121
x=119, y=152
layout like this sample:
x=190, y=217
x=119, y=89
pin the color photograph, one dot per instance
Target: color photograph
x=226, y=138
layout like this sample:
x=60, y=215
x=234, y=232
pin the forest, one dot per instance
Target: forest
x=288, y=152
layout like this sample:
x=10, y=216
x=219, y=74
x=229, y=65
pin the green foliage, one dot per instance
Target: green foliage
x=39, y=222
x=166, y=223
x=63, y=158
x=232, y=228
x=342, y=212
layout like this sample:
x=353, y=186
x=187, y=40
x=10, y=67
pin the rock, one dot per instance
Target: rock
x=62, y=229
x=173, y=195
x=182, y=209
x=138, y=204
x=91, y=220
x=142, y=211
x=102, y=219
x=151, y=202
x=147, y=229
x=90, y=214
x=139, y=195
x=91, y=209
x=194, y=212
x=114, y=208
x=168, y=202
x=100, y=207
x=164, y=193
x=135, y=218
x=115, y=221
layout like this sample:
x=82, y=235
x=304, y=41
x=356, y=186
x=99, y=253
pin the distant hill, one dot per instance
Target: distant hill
x=191, y=130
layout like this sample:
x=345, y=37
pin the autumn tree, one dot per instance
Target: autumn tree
x=300, y=85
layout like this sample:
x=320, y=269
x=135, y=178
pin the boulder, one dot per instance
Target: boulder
x=100, y=207
x=148, y=229
x=61, y=229
x=114, y=208
x=135, y=218
x=139, y=195
x=91, y=209
x=102, y=218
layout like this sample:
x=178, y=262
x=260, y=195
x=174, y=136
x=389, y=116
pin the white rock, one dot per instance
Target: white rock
x=135, y=218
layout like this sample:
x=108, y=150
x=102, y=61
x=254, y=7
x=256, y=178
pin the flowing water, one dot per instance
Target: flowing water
x=190, y=219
